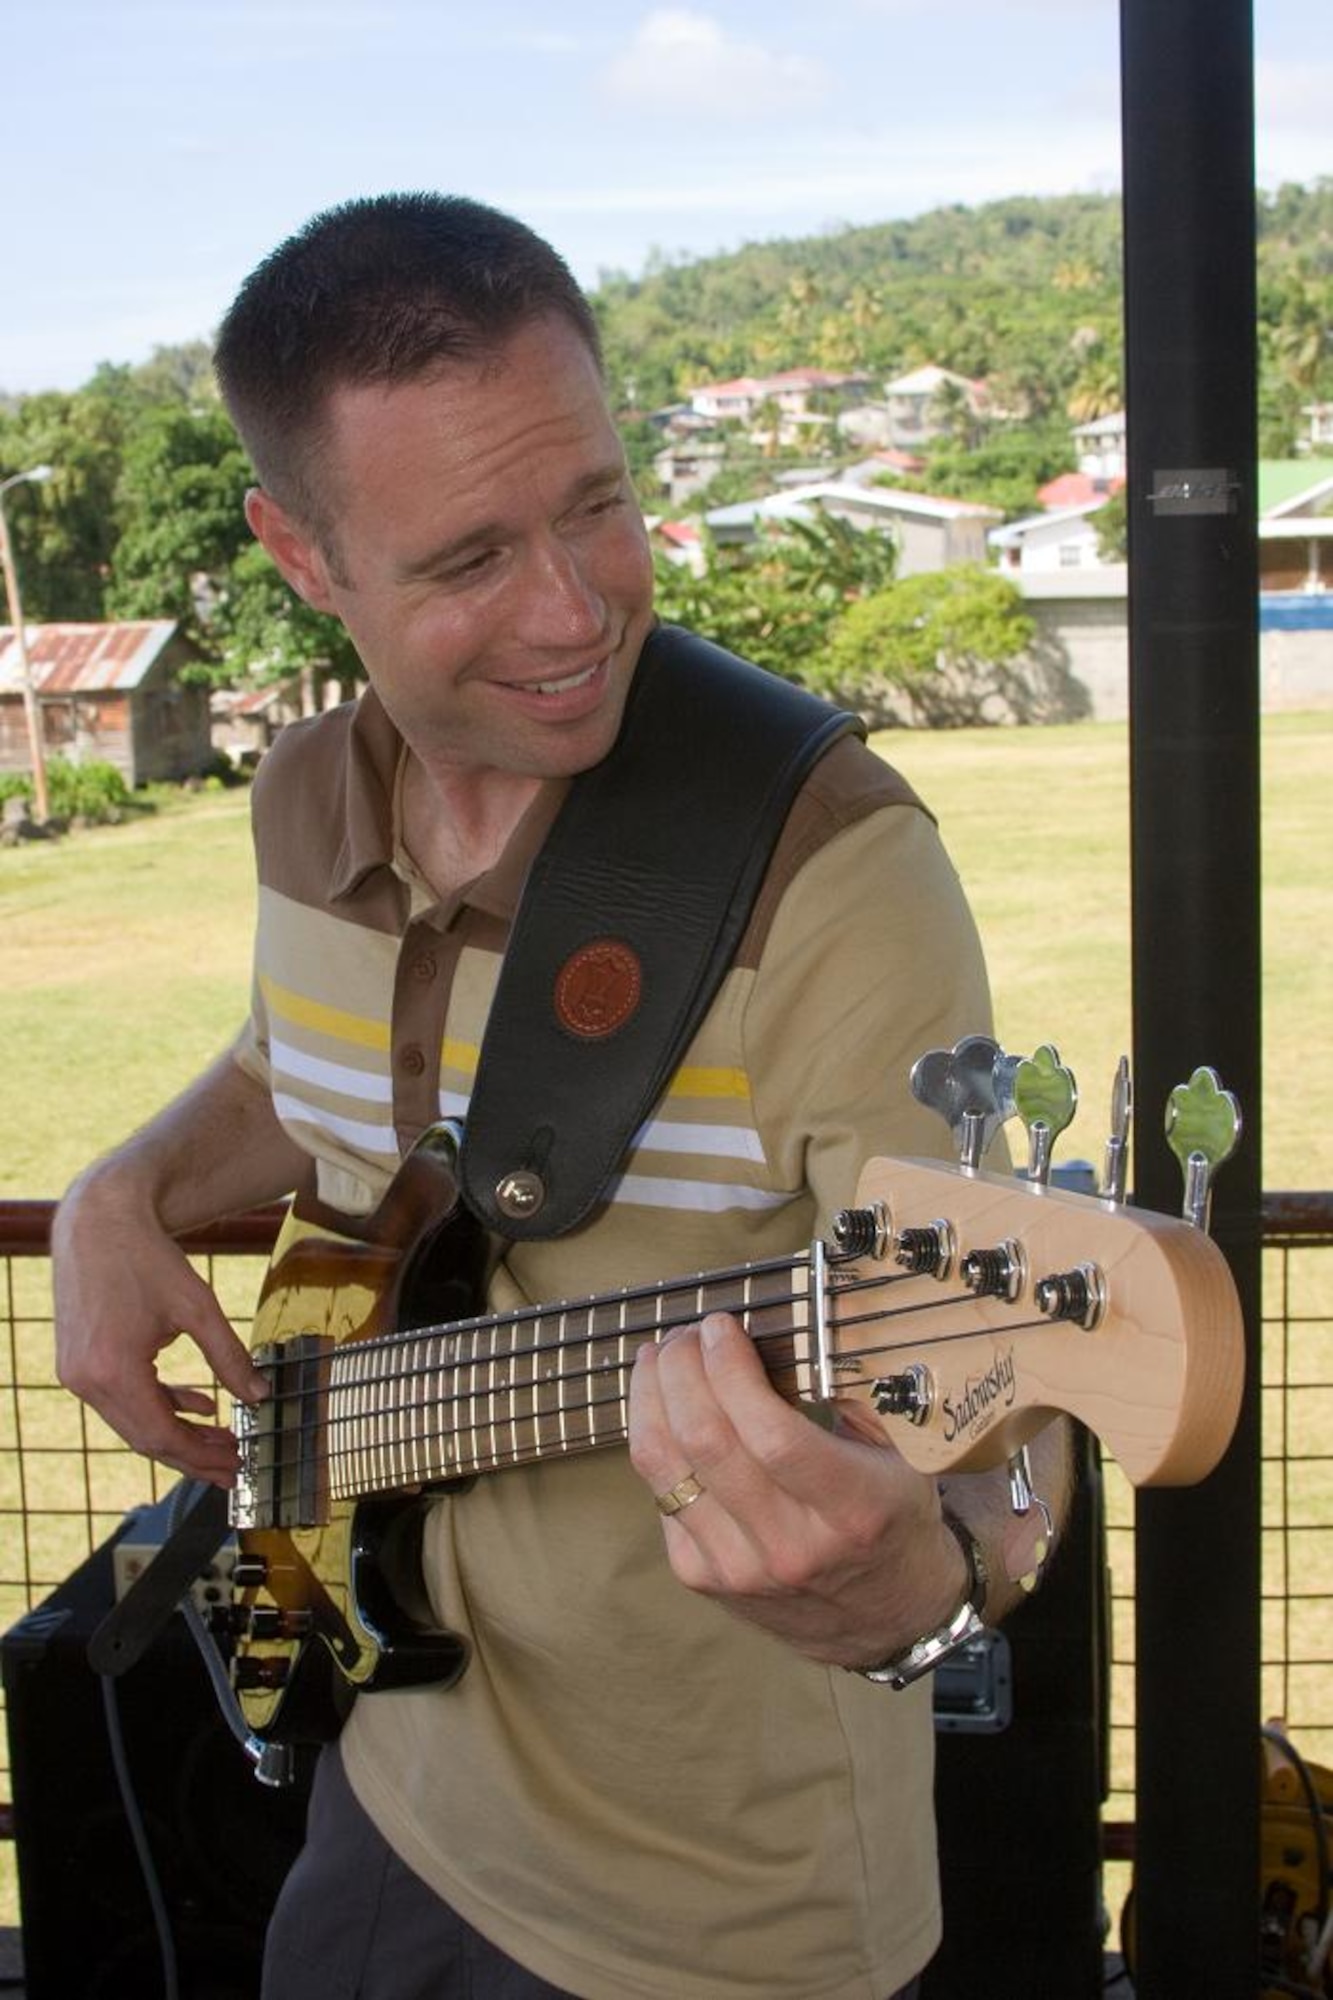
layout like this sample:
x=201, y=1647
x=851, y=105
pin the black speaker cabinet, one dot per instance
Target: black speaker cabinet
x=1019, y=1806
x=221, y=1843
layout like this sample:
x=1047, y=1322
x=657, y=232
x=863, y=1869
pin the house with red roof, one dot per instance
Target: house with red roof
x=790, y=390
x=107, y=692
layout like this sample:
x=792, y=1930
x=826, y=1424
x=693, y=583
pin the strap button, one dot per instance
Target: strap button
x=520, y=1194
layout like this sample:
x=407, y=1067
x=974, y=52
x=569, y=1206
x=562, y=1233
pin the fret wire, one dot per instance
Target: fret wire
x=622, y=1363
x=364, y=1472
x=351, y=1363
x=687, y=1286
x=465, y=1433
x=365, y=1460
x=365, y=1448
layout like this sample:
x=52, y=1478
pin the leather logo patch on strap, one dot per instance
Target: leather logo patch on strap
x=598, y=988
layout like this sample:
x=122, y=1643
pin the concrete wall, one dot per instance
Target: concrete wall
x=1089, y=638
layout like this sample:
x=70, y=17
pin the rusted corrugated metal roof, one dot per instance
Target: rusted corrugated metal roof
x=84, y=659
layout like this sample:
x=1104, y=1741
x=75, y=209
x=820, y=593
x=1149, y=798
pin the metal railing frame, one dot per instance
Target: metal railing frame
x=1293, y=1224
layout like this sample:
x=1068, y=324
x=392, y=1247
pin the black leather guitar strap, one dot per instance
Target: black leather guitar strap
x=630, y=917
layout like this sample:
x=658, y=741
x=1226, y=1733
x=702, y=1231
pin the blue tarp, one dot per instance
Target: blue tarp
x=1296, y=611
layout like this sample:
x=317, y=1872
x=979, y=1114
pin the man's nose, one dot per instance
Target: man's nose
x=562, y=605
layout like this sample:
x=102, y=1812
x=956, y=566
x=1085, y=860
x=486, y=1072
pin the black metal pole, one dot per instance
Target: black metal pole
x=1187, y=72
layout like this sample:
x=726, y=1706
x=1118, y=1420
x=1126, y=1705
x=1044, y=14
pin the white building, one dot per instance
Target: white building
x=1057, y=539
x=917, y=404
x=930, y=532
x=1100, y=444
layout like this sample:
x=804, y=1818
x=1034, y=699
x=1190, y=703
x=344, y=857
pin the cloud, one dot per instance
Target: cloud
x=1291, y=118
x=687, y=63
x=542, y=41
x=1294, y=92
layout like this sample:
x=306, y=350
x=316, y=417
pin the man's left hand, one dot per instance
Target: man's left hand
x=827, y=1538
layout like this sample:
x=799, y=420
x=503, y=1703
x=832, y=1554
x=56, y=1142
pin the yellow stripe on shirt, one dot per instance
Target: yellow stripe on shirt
x=702, y=1082
x=325, y=1020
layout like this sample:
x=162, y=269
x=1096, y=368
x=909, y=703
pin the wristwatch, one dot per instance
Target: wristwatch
x=924, y=1654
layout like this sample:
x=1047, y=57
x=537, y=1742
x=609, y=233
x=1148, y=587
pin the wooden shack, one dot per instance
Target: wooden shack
x=110, y=693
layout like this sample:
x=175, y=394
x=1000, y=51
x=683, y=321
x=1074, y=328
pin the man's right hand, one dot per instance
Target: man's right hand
x=125, y=1291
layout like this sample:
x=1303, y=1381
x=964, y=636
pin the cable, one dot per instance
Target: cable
x=139, y=1835
x=1315, y=1809
x=274, y=1762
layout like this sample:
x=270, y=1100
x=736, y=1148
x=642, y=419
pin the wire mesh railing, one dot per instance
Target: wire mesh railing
x=66, y=1480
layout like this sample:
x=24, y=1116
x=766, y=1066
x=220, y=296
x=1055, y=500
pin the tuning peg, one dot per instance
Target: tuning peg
x=971, y=1086
x=1045, y=1098
x=1115, y=1161
x=1203, y=1125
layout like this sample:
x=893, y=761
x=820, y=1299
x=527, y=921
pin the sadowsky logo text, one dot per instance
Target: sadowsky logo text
x=979, y=1400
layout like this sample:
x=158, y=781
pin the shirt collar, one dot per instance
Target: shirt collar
x=374, y=755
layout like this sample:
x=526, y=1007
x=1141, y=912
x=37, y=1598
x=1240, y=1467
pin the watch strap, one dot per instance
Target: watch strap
x=924, y=1654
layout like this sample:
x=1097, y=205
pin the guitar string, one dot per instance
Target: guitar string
x=437, y=1365
x=692, y=1284
x=371, y=1442
x=555, y=1385
x=353, y=1358
x=468, y=1436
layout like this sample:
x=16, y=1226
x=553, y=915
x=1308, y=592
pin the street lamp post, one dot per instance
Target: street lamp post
x=32, y=713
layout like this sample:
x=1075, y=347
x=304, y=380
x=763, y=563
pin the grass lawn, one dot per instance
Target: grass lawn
x=126, y=968
x=126, y=950
x=1038, y=824
x=126, y=953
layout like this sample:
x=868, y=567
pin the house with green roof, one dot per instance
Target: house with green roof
x=1295, y=525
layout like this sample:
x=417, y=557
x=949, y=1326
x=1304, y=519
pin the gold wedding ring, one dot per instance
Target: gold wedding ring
x=682, y=1495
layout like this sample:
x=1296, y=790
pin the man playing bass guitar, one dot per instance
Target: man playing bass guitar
x=665, y=1774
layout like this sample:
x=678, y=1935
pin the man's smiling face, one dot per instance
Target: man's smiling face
x=486, y=553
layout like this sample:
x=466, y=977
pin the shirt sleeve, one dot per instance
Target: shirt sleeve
x=251, y=1048
x=873, y=958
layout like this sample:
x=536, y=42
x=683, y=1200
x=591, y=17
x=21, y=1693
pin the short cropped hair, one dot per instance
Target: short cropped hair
x=386, y=289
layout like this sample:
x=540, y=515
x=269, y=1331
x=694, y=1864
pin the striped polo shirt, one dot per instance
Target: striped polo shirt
x=632, y=1793
x=371, y=995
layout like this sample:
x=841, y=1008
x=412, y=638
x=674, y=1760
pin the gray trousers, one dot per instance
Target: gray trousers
x=354, y=1923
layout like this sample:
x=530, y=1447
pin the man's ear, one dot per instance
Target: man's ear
x=296, y=553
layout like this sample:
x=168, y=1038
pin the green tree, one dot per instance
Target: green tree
x=941, y=649
x=262, y=631
x=64, y=531
x=777, y=601
x=183, y=372
x=1005, y=471
x=181, y=503
x=1112, y=525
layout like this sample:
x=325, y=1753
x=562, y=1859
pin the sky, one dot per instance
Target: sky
x=152, y=151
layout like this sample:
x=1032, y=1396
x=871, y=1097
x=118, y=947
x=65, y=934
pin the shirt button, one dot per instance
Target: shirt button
x=413, y=1059
x=425, y=967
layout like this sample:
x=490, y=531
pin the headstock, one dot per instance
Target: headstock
x=987, y=1305
x=969, y=1307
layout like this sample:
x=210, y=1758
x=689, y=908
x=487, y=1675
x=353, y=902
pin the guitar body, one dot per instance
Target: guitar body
x=323, y=1612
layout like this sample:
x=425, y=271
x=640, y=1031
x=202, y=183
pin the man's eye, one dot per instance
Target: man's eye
x=461, y=572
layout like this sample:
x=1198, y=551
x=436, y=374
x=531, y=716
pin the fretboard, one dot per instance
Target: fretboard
x=441, y=1403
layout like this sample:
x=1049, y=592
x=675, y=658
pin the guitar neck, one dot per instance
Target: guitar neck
x=964, y=1334
x=439, y=1403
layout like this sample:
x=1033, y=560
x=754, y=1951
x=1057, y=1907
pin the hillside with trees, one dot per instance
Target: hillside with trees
x=143, y=513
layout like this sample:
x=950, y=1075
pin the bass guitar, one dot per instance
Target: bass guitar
x=965, y=1308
